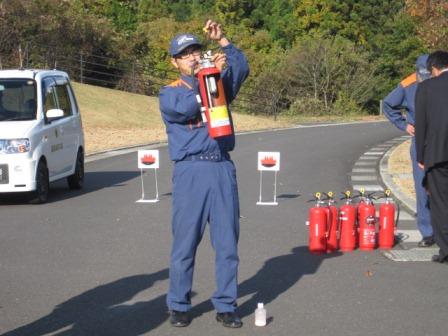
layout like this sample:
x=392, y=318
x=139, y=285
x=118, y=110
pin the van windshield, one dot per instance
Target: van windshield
x=17, y=99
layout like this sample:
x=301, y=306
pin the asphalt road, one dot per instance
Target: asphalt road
x=95, y=262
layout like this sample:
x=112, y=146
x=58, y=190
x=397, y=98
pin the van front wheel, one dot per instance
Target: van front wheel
x=40, y=195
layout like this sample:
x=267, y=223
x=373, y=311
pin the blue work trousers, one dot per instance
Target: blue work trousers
x=204, y=191
x=423, y=214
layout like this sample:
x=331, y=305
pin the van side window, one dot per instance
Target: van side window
x=64, y=99
x=73, y=101
x=50, y=101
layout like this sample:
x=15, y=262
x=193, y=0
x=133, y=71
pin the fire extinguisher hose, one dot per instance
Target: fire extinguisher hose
x=398, y=214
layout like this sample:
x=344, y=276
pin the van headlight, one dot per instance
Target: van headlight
x=14, y=146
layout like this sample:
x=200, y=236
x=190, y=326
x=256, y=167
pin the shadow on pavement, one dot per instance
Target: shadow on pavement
x=288, y=196
x=101, y=311
x=277, y=275
x=93, y=181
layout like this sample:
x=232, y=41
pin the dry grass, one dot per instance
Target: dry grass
x=400, y=167
x=114, y=119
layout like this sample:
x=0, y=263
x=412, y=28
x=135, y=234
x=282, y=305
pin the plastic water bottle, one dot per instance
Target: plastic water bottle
x=260, y=315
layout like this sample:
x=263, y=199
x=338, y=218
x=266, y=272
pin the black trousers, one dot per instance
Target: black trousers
x=437, y=183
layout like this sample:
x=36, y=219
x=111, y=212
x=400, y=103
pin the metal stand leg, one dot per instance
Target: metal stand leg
x=143, y=185
x=275, y=188
x=157, y=188
x=260, y=202
x=143, y=200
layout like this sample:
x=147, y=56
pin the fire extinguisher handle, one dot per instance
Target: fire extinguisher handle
x=347, y=195
x=330, y=195
x=316, y=197
x=357, y=194
x=384, y=194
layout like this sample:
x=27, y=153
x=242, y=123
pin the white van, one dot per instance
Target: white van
x=41, y=137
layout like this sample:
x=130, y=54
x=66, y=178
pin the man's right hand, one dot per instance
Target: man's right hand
x=410, y=129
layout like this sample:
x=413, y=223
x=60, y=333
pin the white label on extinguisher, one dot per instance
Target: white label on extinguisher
x=219, y=123
x=203, y=115
x=317, y=230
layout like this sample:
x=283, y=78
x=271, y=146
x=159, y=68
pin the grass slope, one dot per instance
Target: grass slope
x=114, y=119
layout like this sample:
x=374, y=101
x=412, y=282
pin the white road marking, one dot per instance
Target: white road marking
x=363, y=170
x=363, y=178
x=369, y=157
x=368, y=187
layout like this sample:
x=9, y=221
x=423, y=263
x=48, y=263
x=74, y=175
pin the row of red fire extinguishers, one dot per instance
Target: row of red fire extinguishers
x=353, y=224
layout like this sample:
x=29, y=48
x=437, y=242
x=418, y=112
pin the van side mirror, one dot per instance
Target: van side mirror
x=54, y=113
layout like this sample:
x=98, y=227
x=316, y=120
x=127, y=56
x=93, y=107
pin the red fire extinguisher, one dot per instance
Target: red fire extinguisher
x=213, y=99
x=366, y=222
x=332, y=223
x=347, y=220
x=317, y=221
x=387, y=223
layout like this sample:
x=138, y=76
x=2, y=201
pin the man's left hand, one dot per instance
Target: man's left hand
x=421, y=165
x=410, y=129
x=220, y=60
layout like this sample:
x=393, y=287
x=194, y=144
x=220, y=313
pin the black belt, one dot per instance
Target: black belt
x=213, y=157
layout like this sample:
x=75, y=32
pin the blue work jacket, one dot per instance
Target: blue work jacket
x=402, y=97
x=187, y=134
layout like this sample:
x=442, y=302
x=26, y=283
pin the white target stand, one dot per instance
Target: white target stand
x=148, y=159
x=268, y=161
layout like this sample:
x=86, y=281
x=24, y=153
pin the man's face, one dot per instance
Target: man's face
x=187, y=60
x=434, y=72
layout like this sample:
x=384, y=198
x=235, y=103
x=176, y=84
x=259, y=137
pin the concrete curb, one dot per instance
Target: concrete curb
x=121, y=151
x=370, y=172
x=389, y=181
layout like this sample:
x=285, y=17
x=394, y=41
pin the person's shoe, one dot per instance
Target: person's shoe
x=229, y=320
x=426, y=242
x=179, y=318
x=438, y=259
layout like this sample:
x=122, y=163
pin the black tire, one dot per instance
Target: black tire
x=40, y=195
x=76, y=181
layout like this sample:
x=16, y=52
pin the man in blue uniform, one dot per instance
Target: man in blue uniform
x=403, y=97
x=204, y=178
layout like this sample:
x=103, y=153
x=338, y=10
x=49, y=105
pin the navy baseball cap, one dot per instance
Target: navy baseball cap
x=182, y=41
x=422, y=70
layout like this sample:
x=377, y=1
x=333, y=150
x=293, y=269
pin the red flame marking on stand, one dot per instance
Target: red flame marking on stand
x=148, y=160
x=268, y=161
